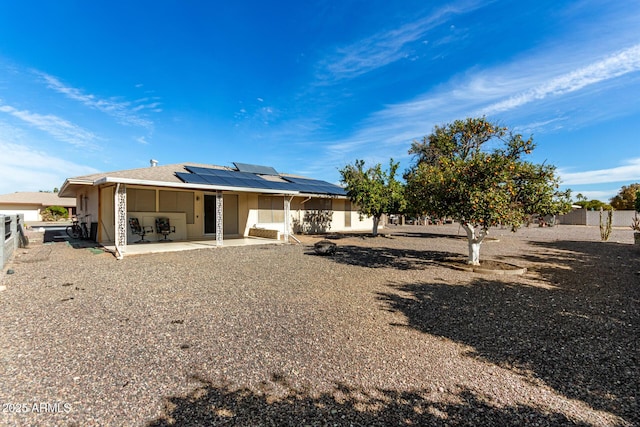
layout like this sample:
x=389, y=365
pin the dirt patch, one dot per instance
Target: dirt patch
x=485, y=267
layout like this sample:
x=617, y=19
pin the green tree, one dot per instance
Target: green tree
x=454, y=176
x=374, y=191
x=626, y=197
x=580, y=198
x=593, y=205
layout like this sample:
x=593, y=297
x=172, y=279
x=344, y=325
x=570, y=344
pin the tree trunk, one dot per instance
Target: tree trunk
x=376, y=221
x=475, y=240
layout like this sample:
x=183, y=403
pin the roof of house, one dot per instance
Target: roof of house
x=192, y=176
x=36, y=198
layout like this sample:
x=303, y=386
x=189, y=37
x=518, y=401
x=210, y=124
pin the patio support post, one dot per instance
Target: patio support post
x=287, y=219
x=219, y=219
x=120, y=216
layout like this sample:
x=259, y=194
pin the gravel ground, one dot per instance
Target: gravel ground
x=381, y=333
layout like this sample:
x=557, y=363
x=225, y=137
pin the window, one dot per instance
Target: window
x=318, y=205
x=270, y=209
x=82, y=203
x=139, y=200
x=177, y=201
x=347, y=213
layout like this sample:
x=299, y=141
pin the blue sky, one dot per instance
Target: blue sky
x=307, y=87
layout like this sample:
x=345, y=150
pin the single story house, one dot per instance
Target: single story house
x=31, y=204
x=202, y=201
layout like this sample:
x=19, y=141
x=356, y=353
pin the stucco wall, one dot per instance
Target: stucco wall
x=29, y=212
x=298, y=213
x=91, y=202
x=592, y=218
x=106, y=226
x=177, y=220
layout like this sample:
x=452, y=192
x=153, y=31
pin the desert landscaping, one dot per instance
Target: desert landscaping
x=383, y=332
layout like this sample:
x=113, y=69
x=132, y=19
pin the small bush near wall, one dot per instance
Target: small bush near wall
x=54, y=213
x=315, y=221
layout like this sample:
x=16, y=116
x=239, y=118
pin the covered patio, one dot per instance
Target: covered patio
x=160, y=246
x=199, y=206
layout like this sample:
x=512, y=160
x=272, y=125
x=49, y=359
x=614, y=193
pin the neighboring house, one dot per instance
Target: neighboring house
x=31, y=204
x=210, y=202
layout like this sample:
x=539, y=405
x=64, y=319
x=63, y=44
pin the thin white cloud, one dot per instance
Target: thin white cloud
x=124, y=112
x=60, y=129
x=488, y=91
x=533, y=127
x=511, y=87
x=142, y=105
x=27, y=169
x=387, y=47
x=620, y=63
x=626, y=173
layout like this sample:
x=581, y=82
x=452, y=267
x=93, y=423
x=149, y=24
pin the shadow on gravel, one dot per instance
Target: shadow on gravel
x=605, y=261
x=580, y=336
x=213, y=405
x=380, y=257
x=394, y=232
x=55, y=235
x=446, y=234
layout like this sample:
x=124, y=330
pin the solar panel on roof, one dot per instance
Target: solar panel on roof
x=229, y=174
x=280, y=185
x=245, y=179
x=317, y=186
x=202, y=171
x=191, y=178
x=261, y=170
x=242, y=182
x=218, y=180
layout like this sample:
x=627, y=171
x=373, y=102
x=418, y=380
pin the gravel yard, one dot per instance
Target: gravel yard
x=381, y=333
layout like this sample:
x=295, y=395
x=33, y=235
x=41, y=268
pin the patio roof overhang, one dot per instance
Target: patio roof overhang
x=72, y=183
x=202, y=187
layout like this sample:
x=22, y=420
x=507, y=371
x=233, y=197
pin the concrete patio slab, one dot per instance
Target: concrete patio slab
x=158, y=247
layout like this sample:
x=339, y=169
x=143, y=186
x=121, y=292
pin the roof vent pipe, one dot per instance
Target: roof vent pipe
x=153, y=163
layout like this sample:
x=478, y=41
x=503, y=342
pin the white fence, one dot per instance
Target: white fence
x=586, y=217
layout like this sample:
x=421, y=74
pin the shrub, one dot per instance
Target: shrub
x=54, y=213
x=315, y=221
x=635, y=223
x=605, y=224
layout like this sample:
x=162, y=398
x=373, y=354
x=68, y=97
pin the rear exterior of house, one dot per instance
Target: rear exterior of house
x=210, y=202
